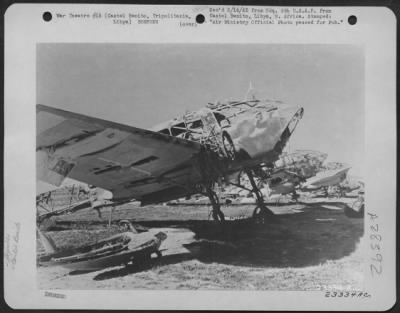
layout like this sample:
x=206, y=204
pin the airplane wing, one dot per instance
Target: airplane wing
x=130, y=162
x=327, y=178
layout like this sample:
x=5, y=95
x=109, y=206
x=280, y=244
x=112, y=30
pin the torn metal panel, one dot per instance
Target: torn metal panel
x=305, y=163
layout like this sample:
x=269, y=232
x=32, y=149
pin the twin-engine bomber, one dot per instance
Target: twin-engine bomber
x=182, y=157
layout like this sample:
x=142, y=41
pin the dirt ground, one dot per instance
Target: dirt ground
x=308, y=246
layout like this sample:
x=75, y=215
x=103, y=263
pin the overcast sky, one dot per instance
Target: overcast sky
x=145, y=84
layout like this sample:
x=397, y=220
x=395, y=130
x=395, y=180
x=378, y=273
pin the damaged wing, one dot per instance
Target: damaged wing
x=130, y=162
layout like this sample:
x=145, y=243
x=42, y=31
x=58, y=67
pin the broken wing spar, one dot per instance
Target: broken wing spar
x=130, y=162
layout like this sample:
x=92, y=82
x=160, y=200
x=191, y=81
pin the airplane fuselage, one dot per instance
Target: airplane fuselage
x=245, y=133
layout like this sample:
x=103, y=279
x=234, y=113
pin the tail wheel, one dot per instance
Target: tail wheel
x=228, y=146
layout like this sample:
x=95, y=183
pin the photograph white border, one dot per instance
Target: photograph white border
x=24, y=28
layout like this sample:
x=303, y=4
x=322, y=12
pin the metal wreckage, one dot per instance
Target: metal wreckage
x=241, y=137
x=182, y=157
x=189, y=155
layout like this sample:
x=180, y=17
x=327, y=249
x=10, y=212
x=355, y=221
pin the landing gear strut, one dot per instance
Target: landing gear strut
x=261, y=213
x=217, y=214
x=295, y=196
x=98, y=212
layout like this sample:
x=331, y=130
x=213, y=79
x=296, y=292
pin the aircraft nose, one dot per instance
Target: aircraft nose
x=291, y=112
x=292, y=115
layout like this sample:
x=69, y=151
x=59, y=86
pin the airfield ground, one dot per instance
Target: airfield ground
x=310, y=246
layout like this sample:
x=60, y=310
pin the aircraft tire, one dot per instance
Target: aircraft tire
x=259, y=215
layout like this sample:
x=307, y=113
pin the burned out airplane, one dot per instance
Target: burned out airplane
x=185, y=156
x=331, y=176
x=305, y=170
x=293, y=169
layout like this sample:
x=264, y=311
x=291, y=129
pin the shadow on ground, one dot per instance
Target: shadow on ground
x=311, y=237
x=139, y=267
x=293, y=240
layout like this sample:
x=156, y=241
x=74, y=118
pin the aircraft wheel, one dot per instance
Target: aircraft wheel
x=228, y=146
x=259, y=215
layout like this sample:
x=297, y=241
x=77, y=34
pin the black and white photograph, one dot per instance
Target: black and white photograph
x=200, y=166
x=199, y=157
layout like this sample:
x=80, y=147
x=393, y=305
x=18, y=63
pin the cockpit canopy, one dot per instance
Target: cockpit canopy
x=194, y=125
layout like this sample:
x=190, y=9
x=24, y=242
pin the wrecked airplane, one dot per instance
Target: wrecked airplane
x=185, y=156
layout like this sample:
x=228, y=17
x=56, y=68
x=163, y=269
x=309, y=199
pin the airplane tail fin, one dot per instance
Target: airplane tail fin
x=251, y=93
